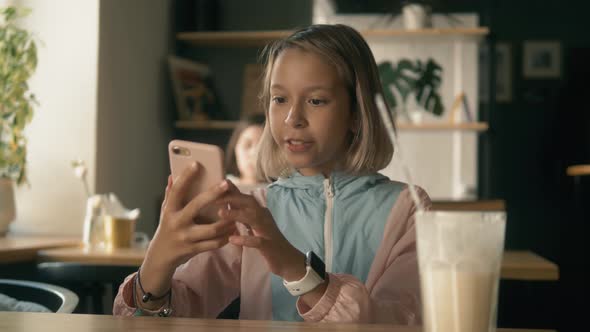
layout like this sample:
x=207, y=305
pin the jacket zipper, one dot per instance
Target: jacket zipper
x=328, y=224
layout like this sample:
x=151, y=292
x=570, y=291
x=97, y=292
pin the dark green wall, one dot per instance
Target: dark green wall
x=523, y=164
x=535, y=137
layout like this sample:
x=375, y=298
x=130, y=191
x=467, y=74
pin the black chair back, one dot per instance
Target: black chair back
x=56, y=299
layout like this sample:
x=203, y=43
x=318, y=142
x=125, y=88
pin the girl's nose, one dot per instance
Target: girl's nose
x=295, y=118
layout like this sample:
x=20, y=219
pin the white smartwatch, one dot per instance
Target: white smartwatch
x=315, y=275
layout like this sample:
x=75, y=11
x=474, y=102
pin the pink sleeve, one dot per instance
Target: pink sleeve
x=392, y=291
x=202, y=287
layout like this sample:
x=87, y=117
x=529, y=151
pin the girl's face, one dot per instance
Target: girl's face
x=246, y=152
x=309, y=112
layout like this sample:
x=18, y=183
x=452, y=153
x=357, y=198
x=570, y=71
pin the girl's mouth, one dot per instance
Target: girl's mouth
x=298, y=146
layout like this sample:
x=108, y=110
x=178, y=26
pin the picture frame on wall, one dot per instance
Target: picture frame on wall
x=542, y=59
x=193, y=93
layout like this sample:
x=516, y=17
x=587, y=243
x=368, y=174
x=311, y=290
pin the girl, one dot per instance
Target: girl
x=331, y=240
x=240, y=155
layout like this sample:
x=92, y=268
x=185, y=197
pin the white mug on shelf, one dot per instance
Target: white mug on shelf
x=416, y=16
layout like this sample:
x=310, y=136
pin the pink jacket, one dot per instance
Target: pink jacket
x=207, y=283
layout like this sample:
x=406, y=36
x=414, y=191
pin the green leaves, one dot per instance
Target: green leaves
x=418, y=78
x=9, y=13
x=18, y=61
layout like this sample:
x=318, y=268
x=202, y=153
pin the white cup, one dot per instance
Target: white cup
x=459, y=257
x=416, y=16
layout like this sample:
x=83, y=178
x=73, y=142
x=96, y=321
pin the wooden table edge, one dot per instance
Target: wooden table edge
x=186, y=324
x=31, y=253
x=549, y=271
x=94, y=258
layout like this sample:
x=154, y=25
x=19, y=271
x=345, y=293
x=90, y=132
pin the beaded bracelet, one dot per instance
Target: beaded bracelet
x=149, y=297
x=145, y=297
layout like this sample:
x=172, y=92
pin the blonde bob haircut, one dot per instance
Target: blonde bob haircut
x=369, y=148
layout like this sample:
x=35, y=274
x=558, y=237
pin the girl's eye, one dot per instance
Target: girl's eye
x=317, y=102
x=278, y=100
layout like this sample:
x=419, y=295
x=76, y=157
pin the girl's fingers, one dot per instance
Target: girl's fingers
x=203, y=246
x=191, y=210
x=169, y=184
x=165, y=201
x=180, y=186
x=232, y=187
x=238, y=200
x=246, y=241
x=200, y=233
x=244, y=216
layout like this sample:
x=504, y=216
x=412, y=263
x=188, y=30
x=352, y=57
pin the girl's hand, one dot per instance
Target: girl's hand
x=181, y=233
x=282, y=258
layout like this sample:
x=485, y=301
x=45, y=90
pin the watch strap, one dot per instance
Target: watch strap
x=304, y=285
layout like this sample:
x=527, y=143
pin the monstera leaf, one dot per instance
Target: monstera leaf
x=401, y=78
x=426, y=87
x=418, y=78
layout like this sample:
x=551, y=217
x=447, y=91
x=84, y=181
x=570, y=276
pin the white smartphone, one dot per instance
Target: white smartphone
x=209, y=157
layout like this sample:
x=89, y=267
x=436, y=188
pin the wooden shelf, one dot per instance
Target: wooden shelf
x=469, y=126
x=232, y=38
x=207, y=125
x=261, y=38
x=427, y=35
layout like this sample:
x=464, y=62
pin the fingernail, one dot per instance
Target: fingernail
x=194, y=165
x=223, y=185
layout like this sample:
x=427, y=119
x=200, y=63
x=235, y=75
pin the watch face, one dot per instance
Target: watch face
x=316, y=264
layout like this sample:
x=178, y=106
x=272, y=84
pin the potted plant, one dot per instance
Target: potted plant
x=412, y=78
x=18, y=60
